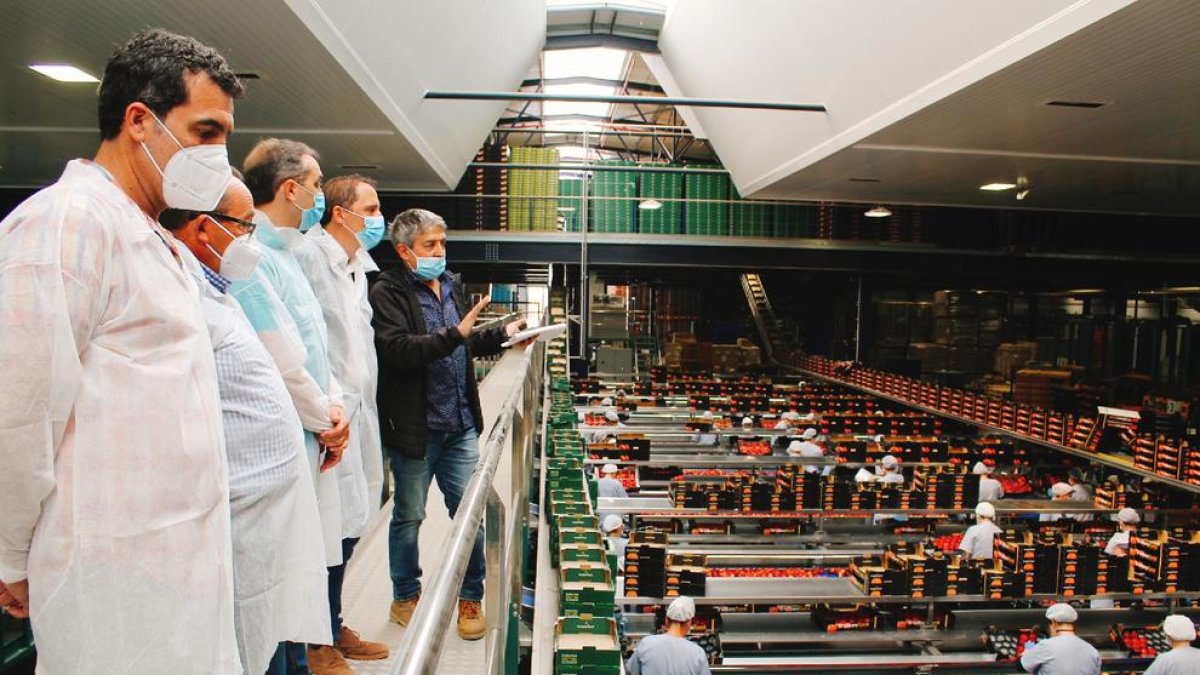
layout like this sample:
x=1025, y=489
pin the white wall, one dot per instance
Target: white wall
x=871, y=62
x=396, y=50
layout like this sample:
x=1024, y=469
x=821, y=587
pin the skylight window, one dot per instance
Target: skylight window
x=596, y=62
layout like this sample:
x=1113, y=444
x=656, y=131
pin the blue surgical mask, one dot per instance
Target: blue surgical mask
x=311, y=216
x=372, y=232
x=429, y=269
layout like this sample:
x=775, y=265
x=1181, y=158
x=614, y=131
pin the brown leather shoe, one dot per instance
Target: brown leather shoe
x=325, y=660
x=354, y=647
x=470, y=620
x=402, y=610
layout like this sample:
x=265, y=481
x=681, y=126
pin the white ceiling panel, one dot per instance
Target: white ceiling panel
x=871, y=63
x=396, y=51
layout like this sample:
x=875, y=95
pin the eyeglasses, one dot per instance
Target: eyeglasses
x=244, y=224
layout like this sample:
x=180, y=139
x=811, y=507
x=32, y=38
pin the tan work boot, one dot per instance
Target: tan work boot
x=402, y=610
x=470, y=620
x=325, y=660
x=354, y=647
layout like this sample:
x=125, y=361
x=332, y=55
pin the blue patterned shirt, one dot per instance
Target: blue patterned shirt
x=446, y=406
x=218, y=282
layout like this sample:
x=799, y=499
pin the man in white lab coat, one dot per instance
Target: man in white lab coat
x=335, y=261
x=285, y=180
x=115, y=537
x=279, y=581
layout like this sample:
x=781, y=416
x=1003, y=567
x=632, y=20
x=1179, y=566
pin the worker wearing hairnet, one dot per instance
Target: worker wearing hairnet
x=614, y=533
x=705, y=437
x=978, y=540
x=990, y=489
x=891, y=470
x=805, y=447
x=279, y=581
x=670, y=652
x=1060, y=493
x=335, y=262
x=608, y=485
x=114, y=537
x=1063, y=653
x=1118, y=545
x=1183, y=659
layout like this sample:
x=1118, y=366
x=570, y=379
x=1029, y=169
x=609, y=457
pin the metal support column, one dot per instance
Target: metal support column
x=858, y=323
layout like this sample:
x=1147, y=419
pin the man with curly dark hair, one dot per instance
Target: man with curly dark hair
x=115, y=539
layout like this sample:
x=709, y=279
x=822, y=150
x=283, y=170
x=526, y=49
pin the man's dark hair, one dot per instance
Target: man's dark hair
x=272, y=161
x=150, y=68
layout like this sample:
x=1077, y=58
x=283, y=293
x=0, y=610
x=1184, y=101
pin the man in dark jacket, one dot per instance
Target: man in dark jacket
x=429, y=410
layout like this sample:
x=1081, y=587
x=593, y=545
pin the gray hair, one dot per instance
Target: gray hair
x=408, y=225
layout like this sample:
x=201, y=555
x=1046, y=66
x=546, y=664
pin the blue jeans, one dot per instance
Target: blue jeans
x=451, y=458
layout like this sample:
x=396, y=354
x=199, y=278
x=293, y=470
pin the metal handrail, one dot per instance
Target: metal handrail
x=426, y=632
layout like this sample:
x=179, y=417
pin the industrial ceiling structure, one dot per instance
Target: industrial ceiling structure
x=1090, y=104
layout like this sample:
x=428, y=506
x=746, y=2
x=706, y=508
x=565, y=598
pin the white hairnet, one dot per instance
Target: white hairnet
x=981, y=469
x=781, y=424
x=612, y=416
x=612, y=521
x=682, y=608
x=606, y=401
x=985, y=510
x=1060, y=489
x=1128, y=516
x=791, y=415
x=620, y=392
x=890, y=462
x=809, y=434
x=747, y=421
x=1179, y=627
x=1062, y=613
x=608, y=468
x=707, y=415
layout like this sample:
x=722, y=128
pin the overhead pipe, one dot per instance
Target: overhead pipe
x=622, y=100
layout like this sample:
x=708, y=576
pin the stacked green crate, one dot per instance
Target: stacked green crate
x=668, y=189
x=709, y=215
x=533, y=193
x=614, y=199
x=749, y=218
x=570, y=202
x=795, y=220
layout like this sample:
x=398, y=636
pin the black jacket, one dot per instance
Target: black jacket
x=405, y=348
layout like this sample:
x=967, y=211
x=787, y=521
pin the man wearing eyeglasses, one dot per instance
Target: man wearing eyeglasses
x=278, y=558
x=284, y=178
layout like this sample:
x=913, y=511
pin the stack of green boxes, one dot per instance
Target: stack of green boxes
x=795, y=220
x=750, y=218
x=614, y=199
x=570, y=202
x=711, y=215
x=668, y=189
x=533, y=193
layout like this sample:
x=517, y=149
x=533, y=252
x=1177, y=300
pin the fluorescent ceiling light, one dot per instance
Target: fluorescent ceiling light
x=62, y=72
x=878, y=212
x=997, y=187
x=649, y=205
x=566, y=209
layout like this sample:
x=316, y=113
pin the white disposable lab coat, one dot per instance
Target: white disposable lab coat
x=287, y=318
x=114, y=492
x=280, y=580
x=340, y=285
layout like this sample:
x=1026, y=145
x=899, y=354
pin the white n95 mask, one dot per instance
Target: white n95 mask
x=195, y=178
x=241, y=256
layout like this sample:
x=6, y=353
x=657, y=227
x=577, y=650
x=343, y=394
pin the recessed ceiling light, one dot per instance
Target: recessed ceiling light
x=865, y=180
x=62, y=72
x=997, y=187
x=649, y=204
x=878, y=212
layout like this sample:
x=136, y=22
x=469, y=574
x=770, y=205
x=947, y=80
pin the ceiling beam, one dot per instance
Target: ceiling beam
x=623, y=100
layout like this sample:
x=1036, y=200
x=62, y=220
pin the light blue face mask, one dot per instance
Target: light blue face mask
x=311, y=216
x=372, y=232
x=429, y=269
